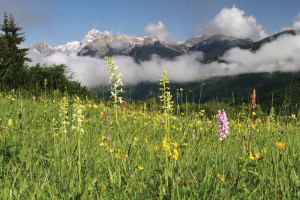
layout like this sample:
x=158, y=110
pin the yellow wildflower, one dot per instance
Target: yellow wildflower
x=221, y=177
x=264, y=150
x=175, y=144
x=165, y=145
x=279, y=145
x=10, y=122
x=140, y=168
x=175, y=154
x=251, y=156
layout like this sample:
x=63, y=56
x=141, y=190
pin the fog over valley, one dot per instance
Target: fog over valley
x=281, y=55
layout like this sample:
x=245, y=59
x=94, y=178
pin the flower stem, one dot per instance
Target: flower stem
x=276, y=174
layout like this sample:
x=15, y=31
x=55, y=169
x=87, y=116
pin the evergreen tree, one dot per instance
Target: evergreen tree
x=12, y=58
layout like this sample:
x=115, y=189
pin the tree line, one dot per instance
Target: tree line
x=15, y=73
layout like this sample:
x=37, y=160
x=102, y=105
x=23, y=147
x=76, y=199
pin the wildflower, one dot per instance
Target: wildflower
x=264, y=150
x=220, y=177
x=78, y=115
x=253, y=103
x=106, y=118
x=165, y=145
x=175, y=144
x=10, y=122
x=140, y=168
x=181, y=89
x=166, y=95
x=280, y=145
x=175, y=154
x=223, y=124
x=135, y=139
x=114, y=79
x=251, y=157
x=106, y=137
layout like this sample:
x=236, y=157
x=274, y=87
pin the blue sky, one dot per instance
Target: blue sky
x=62, y=21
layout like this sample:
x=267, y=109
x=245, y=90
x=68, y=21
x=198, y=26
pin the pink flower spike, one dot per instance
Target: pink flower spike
x=253, y=102
x=106, y=118
x=223, y=124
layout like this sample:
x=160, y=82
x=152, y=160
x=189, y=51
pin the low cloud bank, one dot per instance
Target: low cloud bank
x=279, y=55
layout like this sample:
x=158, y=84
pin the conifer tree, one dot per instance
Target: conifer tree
x=12, y=58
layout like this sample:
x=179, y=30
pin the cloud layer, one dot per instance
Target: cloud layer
x=279, y=55
x=233, y=22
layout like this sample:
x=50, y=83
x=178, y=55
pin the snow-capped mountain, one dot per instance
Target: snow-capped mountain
x=43, y=47
x=99, y=44
x=95, y=39
x=74, y=46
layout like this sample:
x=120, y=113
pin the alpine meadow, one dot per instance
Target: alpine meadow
x=60, y=139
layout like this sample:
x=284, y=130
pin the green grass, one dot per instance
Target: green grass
x=39, y=161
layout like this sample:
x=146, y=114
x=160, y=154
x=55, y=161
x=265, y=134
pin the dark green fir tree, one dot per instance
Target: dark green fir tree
x=12, y=57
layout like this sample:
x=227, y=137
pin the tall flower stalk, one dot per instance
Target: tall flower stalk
x=115, y=82
x=167, y=106
x=166, y=99
x=252, y=107
x=222, y=131
x=63, y=113
x=78, y=117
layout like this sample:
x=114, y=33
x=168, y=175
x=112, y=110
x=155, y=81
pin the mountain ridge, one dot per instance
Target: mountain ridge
x=100, y=44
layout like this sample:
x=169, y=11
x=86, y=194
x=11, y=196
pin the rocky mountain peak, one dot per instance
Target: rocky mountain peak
x=43, y=47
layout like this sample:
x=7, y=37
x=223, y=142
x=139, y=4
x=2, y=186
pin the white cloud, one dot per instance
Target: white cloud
x=119, y=45
x=233, y=22
x=160, y=32
x=280, y=55
x=296, y=23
